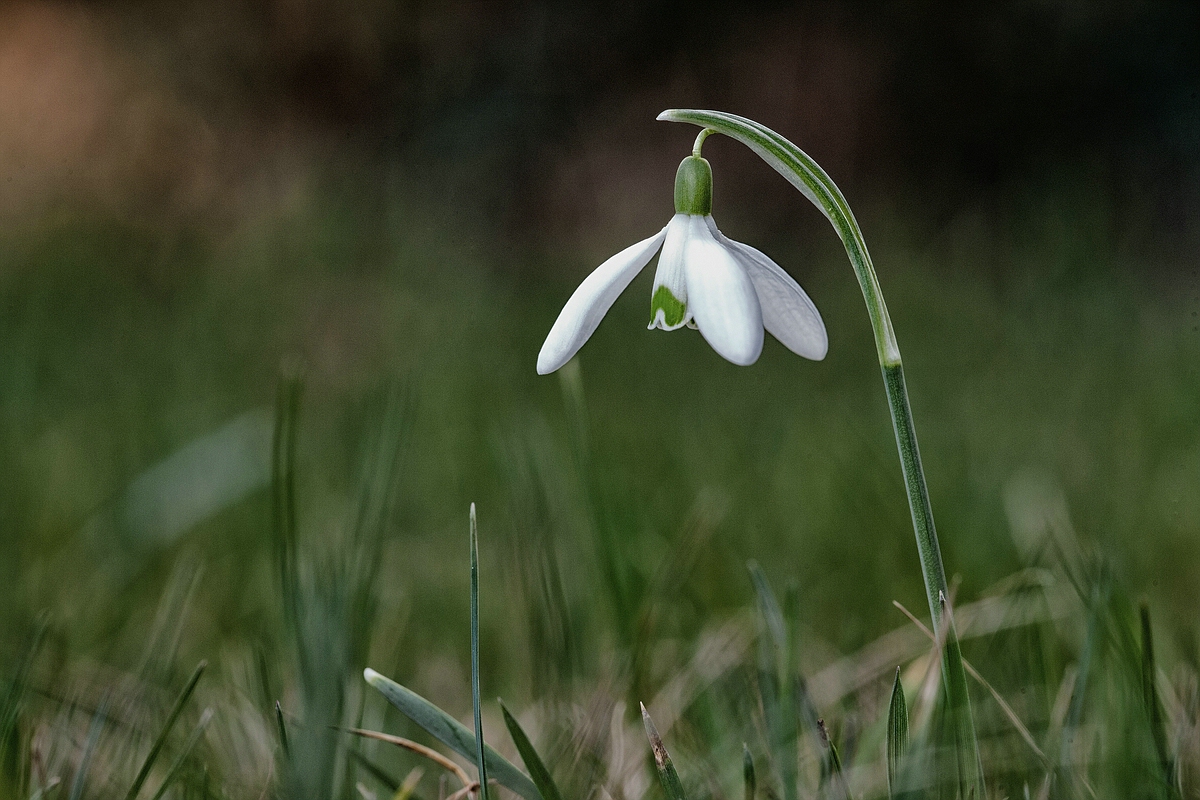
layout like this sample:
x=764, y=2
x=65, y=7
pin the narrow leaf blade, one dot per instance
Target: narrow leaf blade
x=282, y=726
x=662, y=760
x=533, y=762
x=182, y=758
x=897, y=732
x=450, y=732
x=480, y=760
x=748, y=772
x=161, y=739
x=1150, y=697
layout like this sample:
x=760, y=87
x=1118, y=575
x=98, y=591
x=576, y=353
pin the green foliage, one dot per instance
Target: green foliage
x=480, y=758
x=533, y=762
x=897, y=733
x=667, y=775
x=748, y=780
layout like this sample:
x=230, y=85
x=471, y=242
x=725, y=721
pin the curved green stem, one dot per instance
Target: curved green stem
x=807, y=176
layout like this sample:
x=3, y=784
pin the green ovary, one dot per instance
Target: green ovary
x=673, y=309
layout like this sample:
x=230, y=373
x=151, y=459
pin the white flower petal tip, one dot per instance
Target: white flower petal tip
x=722, y=299
x=587, y=306
x=787, y=311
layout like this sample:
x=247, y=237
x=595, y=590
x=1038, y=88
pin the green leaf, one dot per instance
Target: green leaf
x=748, y=772
x=533, y=762
x=283, y=737
x=897, y=733
x=161, y=739
x=480, y=761
x=662, y=760
x=1150, y=697
x=780, y=693
x=768, y=606
x=831, y=769
x=452, y=733
x=10, y=708
x=181, y=759
x=283, y=494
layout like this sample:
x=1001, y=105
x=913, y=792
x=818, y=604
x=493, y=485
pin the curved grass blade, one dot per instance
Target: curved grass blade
x=181, y=759
x=533, y=762
x=748, y=772
x=161, y=739
x=420, y=749
x=662, y=760
x=897, y=733
x=480, y=761
x=452, y=733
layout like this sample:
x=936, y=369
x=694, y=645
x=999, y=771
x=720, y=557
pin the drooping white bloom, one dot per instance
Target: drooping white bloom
x=728, y=290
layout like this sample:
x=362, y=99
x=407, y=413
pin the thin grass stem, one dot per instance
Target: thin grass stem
x=161, y=739
x=481, y=763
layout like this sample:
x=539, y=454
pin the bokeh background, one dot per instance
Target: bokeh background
x=394, y=199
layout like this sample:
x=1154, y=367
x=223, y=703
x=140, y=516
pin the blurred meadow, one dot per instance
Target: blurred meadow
x=303, y=253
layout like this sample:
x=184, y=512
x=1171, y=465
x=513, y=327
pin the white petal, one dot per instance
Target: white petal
x=582, y=314
x=788, y=313
x=670, y=274
x=722, y=298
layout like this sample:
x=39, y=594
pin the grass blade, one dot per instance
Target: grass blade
x=283, y=738
x=1150, y=698
x=10, y=711
x=781, y=706
x=161, y=739
x=283, y=492
x=831, y=770
x=662, y=760
x=480, y=761
x=897, y=733
x=533, y=762
x=181, y=759
x=748, y=772
x=451, y=733
x=768, y=606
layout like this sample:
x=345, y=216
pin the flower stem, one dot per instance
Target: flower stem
x=812, y=181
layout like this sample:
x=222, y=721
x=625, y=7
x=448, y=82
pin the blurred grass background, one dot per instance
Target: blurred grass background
x=394, y=200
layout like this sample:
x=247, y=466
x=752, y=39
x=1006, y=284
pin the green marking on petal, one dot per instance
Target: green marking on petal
x=673, y=309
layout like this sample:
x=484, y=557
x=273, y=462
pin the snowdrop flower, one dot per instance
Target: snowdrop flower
x=727, y=290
